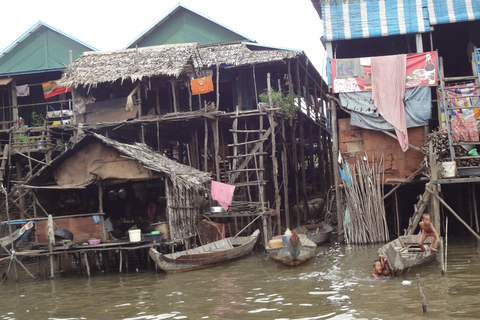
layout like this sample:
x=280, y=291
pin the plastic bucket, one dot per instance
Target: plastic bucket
x=449, y=169
x=135, y=235
x=163, y=228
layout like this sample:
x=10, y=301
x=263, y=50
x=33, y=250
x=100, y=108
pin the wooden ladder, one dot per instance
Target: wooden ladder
x=247, y=169
x=417, y=215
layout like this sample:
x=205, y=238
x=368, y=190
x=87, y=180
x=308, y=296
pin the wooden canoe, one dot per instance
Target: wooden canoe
x=404, y=253
x=318, y=233
x=206, y=255
x=16, y=236
x=282, y=254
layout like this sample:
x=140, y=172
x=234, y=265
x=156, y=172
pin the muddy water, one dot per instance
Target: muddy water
x=333, y=285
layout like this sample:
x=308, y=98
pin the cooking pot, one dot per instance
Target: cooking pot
x=216, y=210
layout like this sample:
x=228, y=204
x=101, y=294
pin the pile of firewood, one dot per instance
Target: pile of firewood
x=442, y=150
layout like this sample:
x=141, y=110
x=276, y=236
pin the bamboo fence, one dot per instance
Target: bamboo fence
x=364, y=211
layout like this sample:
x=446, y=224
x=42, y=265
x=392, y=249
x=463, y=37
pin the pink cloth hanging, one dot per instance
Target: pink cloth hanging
x=388, y=92
x=223, y=193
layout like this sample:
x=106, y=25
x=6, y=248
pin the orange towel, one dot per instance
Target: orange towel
x=202, y=85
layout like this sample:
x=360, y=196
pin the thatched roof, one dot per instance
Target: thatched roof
x=92, y=68
x=180, y=174
x=240, y=54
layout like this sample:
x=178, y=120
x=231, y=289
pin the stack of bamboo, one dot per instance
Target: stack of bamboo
x=364, y=220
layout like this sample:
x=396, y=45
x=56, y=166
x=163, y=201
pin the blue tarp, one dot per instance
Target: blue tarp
x=418, y=109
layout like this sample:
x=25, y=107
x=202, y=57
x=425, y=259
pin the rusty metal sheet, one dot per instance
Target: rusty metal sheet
x=83, y=228
x=108, y=111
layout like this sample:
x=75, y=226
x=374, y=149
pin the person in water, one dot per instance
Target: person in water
x=381, y=271
x=427, y=229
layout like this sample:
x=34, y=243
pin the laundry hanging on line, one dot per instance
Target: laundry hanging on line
x=202, y=85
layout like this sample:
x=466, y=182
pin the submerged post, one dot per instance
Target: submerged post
x=424, y=300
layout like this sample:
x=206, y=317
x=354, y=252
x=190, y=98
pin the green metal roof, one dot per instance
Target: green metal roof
x=42, y=48
x=183, y=25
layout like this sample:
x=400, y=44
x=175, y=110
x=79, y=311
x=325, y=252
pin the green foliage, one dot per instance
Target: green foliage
x=37, y=119
x=22, y=138
x=288, y=102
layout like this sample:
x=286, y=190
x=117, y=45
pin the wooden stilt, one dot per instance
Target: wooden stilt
x=446, y=244
x=285, y=178
x=306, y=210
x=87, y=265
x=454, y=213
x=475, y=213
x=120, y=254
x=422, y=296
x=205, y=147
x=273, y=124
x=397, y=214
x=336, y=172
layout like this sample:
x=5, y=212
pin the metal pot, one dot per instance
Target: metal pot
x=216, y=210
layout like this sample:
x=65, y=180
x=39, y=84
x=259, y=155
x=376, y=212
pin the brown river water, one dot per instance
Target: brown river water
x=332, y=285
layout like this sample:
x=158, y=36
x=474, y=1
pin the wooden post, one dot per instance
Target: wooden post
x=442, y=256
x=274, y=158
x=174, y=94
x=446, y=244
x=306, y=211
x=216, y=148
x=190, y=96
x=475, y=207
x=255, y=86
x=157, y=100
x=397, y=214
x=87, y=265
x=285, y=178
x=218, y=81
x=422, y=296
x=454, y=213
x=295, y=165
x=336, y=172
x=205, y=147
x=158, y=138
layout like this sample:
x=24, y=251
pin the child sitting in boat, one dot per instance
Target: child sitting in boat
x=427, y=229
x=381, y=271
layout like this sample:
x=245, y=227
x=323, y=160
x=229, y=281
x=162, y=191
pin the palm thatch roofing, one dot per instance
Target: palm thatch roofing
x=93, y=68
x=181, y=175
x=134, y=64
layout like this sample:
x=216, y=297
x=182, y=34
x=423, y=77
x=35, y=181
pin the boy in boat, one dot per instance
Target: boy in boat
x=427, y=229
x=381, y=271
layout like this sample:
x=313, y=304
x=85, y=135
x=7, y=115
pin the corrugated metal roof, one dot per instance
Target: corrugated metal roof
x=343, y=20
x=183, y=25
x=40, y=48
x=367, y=19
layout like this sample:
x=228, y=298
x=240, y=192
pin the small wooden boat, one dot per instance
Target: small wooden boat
x=17, y=236
x=206, y=255
x=318, y=233
x=404, y=253
x=291, y=255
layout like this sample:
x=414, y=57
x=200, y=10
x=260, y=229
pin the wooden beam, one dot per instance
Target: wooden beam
x=454, y=213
